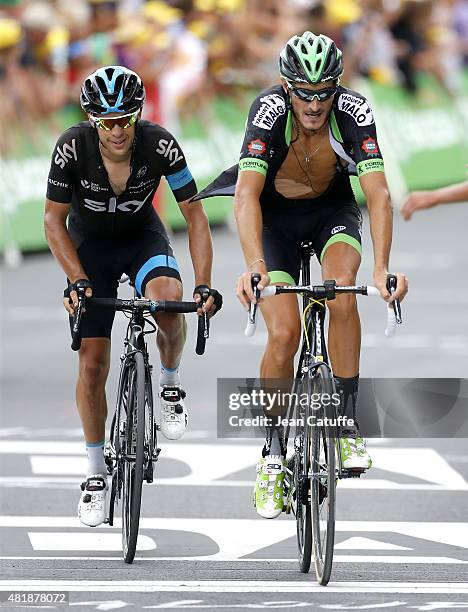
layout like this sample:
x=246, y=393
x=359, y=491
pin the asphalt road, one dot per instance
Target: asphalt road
x=402, y=530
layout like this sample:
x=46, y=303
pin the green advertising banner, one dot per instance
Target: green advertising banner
x=423, y=138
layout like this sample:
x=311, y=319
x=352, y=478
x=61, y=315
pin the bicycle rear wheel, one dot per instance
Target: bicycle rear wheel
x=135, y=447
x=323, y=461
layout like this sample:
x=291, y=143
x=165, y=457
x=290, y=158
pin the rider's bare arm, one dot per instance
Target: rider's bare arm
x=59, y=240
x=248, y=213
x=200, y=244
x=419, y=200
x=375, y=188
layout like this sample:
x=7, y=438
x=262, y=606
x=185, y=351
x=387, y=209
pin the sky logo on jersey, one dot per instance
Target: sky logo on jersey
x=370, y=146
x=65, y=154
x=169, y=150
x=256, y=147
x=358, y=108
x=273, y=107
x=132, y=206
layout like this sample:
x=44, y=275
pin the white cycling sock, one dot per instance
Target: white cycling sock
x=169, y=376
x=96, y=463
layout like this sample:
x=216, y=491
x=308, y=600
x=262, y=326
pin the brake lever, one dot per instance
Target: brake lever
x=391, y=288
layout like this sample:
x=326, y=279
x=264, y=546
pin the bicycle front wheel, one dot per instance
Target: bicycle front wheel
x=301, y=479
x=134, y=459
x=323, y=480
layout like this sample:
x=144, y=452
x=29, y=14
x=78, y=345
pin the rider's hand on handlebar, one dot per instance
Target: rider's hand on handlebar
x=213, y=303
x=70, y=295
x=380, y=281
x=244, y=290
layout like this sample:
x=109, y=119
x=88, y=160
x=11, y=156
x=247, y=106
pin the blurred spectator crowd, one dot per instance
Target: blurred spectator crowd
x=188, y=51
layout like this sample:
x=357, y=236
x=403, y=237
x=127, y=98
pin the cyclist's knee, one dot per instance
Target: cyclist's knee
x=343, y=306
x=164, y=288
x=94, y=364
x=283, y=340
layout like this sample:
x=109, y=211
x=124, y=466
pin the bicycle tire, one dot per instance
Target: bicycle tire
x=323, y=482
x=301, y=482
x=133, y=470
x=302, y=509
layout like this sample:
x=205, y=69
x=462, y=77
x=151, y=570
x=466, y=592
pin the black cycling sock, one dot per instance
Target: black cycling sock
x=274, y=444
x=348, y=388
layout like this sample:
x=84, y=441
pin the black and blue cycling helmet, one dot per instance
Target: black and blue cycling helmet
x=112, y=89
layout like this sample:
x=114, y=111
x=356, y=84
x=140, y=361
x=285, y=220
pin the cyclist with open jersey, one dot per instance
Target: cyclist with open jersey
x=303, y=140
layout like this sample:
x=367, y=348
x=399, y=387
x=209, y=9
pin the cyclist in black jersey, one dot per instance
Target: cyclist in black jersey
x=103, y=176
x=303, y=139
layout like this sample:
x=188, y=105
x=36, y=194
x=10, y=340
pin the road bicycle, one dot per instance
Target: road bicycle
x=132, y=449
x=315, y=467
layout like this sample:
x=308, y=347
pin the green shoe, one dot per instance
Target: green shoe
x=268, y=493
x=362, y=452
x=352, y=457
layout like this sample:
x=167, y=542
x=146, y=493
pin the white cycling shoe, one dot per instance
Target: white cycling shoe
x=173, y=420
x=92, y=504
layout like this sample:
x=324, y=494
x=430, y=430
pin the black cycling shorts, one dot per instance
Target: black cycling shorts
x=104, y=261
x=310, y=220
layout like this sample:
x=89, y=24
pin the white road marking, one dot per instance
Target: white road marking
x=57, y=433
x=358, y=543
x=422, y=463
x=84, y=541
x=234, y=586
x=257, y=534
x=388, y=559
x=115, y=604
x=71, y=483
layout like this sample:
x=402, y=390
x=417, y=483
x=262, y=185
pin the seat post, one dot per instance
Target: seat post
x=306, y=251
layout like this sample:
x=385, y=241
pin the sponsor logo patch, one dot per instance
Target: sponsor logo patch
x=256, y=147
x=272, y=107
x=370, y=165
x=258, y=165
x=338, y=228
x=370, y=146
x=358, y=108
x=142, y=171
x=143, y=185
x=169, y=150
x=65, y=154
x=58, y=184
x=92, y=186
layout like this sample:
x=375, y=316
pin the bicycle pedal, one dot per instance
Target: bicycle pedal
x=156, y=454
x=354, y=473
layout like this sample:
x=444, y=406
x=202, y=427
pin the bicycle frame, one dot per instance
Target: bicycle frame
x=314, y=347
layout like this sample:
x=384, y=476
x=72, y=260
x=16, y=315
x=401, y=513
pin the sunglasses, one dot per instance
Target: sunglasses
x=307, y=95
x=124, y=121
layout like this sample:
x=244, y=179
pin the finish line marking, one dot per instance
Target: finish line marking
x=336, y=559
x=233, y=586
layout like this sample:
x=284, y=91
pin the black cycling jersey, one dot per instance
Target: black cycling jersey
x=78, y=177
x=352, y=135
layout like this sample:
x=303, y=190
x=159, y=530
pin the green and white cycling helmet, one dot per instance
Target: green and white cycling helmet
x=310, y=58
